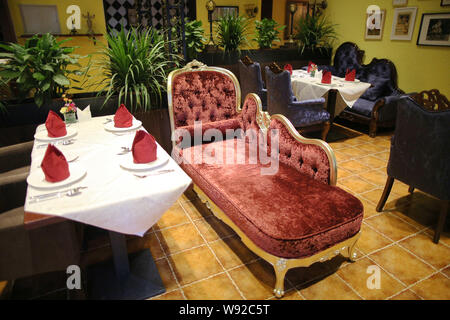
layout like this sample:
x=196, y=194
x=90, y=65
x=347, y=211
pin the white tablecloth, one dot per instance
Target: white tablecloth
x=115, y=199
x=306, y=88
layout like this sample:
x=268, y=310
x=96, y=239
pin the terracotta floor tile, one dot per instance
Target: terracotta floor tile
x=354, y=152
x=391, y=226
x=195, y=264
x=179, y=238
x=371, y=148
x=406, y=295
x=148, y=241
x=330, y=288
x=446, y=271
x=166, y=274
x=356, y=275
x=232, y=252
x=218, y=287
x=403, y=265
x=196, y=209
x=422, y=245
x=399, y=188
x=436, y=287
x=172, y=217
x=342, y=173
x=356, y=184
x=341, y=157
x=382, y=155
x=354, y=166
x=369, y=208
x=255, y=280
x=338, y=145
x=173, y=295
x=375, y=195
x=372, y=162
x=371, y=240
x=374, y=176
x=213, y=229
x=415, y=215
x=384, y=143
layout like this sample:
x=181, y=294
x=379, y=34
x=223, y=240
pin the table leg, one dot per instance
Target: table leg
x=331, y=104
x=125, y=277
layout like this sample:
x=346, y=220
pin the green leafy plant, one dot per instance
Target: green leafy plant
x=195, y=38
x=315, y=32
x=232, y=32
x=135, y=66
x=267, y=31
x=41, y=67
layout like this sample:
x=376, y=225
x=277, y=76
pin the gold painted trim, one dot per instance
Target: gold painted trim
x=322, y=144
x=282, y=265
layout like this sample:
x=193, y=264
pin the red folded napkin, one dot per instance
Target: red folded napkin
x=54, y=165
x=350, y=75
x=123, y=118
x=326, y=77
x=288, y=67
x=310, y=64
x=56, y=127
x=144, y=147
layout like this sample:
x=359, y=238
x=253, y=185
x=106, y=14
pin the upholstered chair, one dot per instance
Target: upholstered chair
x=420, y=150
x=347, y=56
x=15, y=159
x=251, y=80
x=306, y=116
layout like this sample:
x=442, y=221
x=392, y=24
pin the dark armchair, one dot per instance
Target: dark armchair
x=306, y=116
x=251, y=80
x=347, y=56
x=420, y=150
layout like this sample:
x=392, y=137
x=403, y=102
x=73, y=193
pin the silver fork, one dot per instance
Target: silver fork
x=125, y=150
x=57, y=194
x=107, y=121
x=154, y=173
x=63, y=142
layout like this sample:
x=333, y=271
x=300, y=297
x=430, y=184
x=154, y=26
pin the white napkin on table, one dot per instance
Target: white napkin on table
x=318, y=75
x=84, y=115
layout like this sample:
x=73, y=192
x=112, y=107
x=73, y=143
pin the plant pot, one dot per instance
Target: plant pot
x=70, y=117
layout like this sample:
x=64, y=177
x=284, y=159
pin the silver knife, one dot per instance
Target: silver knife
x=51, y=194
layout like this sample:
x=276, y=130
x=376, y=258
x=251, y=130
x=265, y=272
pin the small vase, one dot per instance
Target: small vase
x=70, y=117
x=312, y=73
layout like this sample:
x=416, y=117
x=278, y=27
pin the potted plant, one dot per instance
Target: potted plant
x=41, y=68
x=267, y=31
x=316, y=33
x=135, y=66
x=195, y=38
x=232, y=32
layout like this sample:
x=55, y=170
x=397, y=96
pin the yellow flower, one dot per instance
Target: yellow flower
x=63, y=110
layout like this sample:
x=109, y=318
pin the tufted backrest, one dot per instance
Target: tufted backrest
x=204, y=95
x=309, y=159
x=251, y=79
x=347, y=56
x=382, y=75
x=279, y=91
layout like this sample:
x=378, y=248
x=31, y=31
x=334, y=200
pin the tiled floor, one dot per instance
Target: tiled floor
x=199, y=257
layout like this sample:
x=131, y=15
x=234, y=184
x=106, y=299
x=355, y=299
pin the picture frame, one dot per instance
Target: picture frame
x=374, y=27
x=434, y=30
x=221, y=11
x=399, y=2
x=33, y=22
x=403, y=23
x=302, y=9
x=445, y=3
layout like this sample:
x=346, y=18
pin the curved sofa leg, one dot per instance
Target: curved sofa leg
x=279, y=285
x=325, y=130
x=373, y=128
x=352, y=252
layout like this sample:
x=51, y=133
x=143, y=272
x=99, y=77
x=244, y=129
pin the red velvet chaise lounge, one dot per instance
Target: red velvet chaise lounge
x=292, y=218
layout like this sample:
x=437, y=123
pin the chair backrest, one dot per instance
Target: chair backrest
x=279, y=89
x=432, y=100
x=347, y=56
x=250, y=76
x=420, y=151
x=382, y=74
x=201, y=93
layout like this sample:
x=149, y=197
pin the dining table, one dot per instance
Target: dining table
x=339, y=94
x=112, y=194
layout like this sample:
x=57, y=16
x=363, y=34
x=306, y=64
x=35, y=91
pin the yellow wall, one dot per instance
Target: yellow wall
x=86, y=45
x=202, y=15
x=419, y=67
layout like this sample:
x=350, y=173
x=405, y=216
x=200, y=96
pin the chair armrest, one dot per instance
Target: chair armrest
x=13, y=189
x=15, y=156
x=315, y=103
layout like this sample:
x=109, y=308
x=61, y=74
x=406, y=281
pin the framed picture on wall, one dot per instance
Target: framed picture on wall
x=222, y=11
x=403, y=23
x=294, y=11
x=374, y=25
x=434, y=30
x=445, y=3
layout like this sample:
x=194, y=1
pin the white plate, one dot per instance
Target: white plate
x=328, y=84
x=356, y=81
x=69, y=155
x=43, y=135
x=36, y=179
x=128, y=163
x=110, y=126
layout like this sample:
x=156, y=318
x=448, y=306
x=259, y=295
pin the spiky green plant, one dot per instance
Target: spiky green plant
x=232, y=32
x=315, y=32
x=135, y=66
x=267, y=31
x=42, y=67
